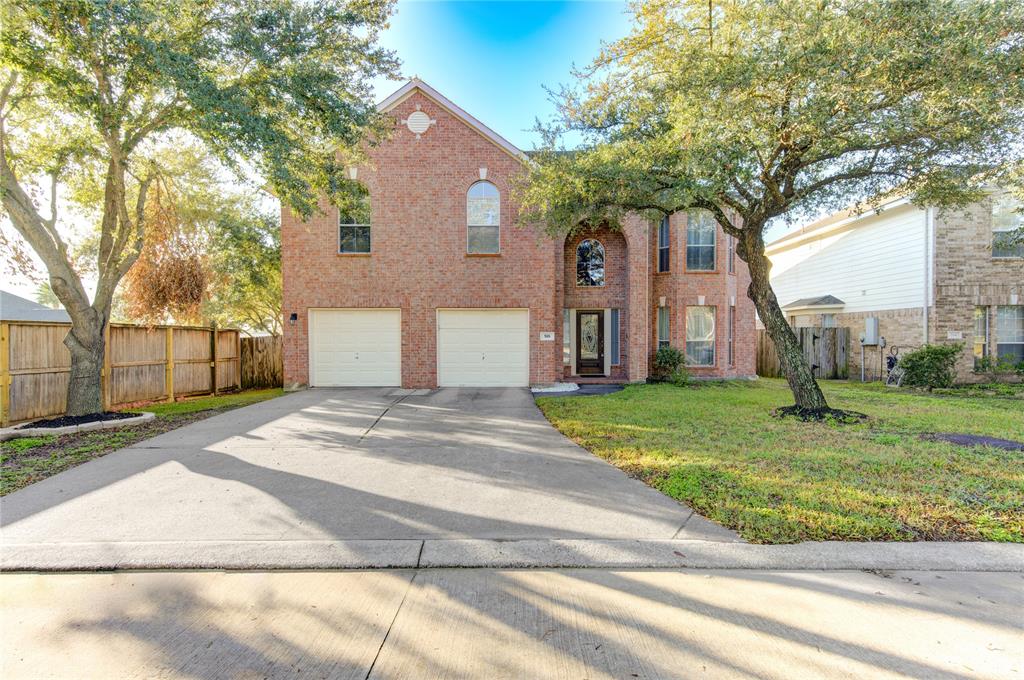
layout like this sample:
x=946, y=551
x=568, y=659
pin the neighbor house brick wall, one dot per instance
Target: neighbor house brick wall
x=966, y=276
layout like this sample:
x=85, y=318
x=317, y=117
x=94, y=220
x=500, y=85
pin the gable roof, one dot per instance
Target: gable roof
x=16, y=308
x=417, y=85
x=820, y=301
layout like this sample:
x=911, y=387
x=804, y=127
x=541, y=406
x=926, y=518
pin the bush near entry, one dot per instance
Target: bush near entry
x=931, y=366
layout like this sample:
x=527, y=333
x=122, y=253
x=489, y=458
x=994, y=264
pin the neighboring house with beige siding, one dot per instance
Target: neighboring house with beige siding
x=927, y=275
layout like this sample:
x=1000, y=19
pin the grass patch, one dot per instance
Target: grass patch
x=28, y=460
x=718, y=448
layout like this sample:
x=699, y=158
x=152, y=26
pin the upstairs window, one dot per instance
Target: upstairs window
x=354, y=226
x=590, y=263
x=700, y=241
x=731, y=256
x=664, y=246
x=1007, y=223
x=483, y=219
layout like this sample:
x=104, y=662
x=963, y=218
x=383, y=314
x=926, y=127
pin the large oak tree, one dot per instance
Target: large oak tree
x=90, y=88
x=758, y=110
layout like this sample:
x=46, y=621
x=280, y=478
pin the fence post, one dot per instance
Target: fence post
x=5, y=374
x=105, y=376
x=169, y=364
x=213, y=355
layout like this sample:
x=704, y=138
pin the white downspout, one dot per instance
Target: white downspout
x=929, y=259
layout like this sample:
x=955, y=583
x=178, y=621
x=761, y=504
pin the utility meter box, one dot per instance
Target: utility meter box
x=870, y=336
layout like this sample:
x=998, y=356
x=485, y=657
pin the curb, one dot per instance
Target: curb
x=19, y=432
x=525, y=554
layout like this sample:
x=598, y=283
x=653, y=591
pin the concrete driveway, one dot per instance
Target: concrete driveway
x=348, y=465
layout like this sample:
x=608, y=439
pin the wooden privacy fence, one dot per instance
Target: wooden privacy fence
x=825, y=349
x=142, y=363
x=262, y=362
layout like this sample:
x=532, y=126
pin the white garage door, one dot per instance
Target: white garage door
x=355, y=347
x=483, y=347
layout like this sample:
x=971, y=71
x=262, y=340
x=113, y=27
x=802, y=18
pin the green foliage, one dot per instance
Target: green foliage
x=278, y=85
x=773, y=480
x=931, y=366
x=667, y=360
x=757, y=109
x=997, y=368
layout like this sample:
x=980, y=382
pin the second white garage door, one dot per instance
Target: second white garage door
x=483, y=347
x=355, y=347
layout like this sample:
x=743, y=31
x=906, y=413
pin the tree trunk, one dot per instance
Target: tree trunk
x=85, y=341
x=798, y=372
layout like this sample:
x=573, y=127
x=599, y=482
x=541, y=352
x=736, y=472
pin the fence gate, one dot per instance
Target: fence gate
x=825, y=349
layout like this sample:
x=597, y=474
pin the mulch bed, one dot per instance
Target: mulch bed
x=974, y=440
x=66, y=421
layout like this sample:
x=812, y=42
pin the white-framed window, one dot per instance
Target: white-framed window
x=700, y=336
x=981, y=337
x=590, y=263
x=664, y=246
x=700, y=241
x=483, y=219
x=828, y=320
x=731, y=254
x=354, y=227
x=616, y=351
x=663, y=328
x=1010, y=332
x=732, y=335
x=1007, y=223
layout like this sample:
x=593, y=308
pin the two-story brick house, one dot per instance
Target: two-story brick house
x=927, y=275
x=433, y=283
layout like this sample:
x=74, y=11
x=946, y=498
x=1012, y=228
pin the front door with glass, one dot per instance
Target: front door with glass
x=590, y=343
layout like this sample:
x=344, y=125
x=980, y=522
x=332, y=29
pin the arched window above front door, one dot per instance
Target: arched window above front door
x=590, y=263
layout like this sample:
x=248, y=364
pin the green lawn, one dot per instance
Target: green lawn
x=24, y=461
x=717, y=448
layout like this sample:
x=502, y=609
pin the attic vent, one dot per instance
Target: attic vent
x=418, y=123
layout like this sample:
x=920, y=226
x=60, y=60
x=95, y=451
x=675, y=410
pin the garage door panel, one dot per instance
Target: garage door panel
x=483, y=348
x=355, y=347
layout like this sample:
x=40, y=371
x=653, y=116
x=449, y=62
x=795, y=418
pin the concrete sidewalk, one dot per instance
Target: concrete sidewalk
x=471, y=623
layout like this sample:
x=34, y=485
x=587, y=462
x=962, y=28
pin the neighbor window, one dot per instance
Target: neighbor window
x=700, y=241
x=616, y=358
x=483, y=219
x=731, y=257
x=663, y=338
x=1010, y=332
x=590, y=263
x=700, y=336
x=354, y=226
x=664, y=247
x=732, y=335
x=980, y=335
x=1007, y=223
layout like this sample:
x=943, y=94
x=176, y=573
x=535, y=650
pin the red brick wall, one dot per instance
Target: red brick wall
x=419, y=261
x=614, y=294
x=682, y=288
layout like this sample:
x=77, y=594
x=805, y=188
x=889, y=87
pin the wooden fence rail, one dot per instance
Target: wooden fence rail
x=142, y=363
x=262, y=362
x=826, y=350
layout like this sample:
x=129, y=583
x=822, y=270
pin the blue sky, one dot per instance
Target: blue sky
x=495, y=58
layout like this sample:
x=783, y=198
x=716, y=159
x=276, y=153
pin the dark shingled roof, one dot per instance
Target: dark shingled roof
x=820, y=301
x=14, y=308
